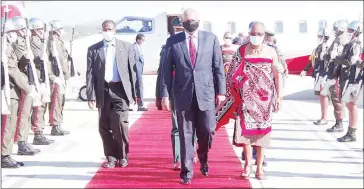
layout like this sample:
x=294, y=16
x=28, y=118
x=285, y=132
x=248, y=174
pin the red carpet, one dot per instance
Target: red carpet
x=151, y=160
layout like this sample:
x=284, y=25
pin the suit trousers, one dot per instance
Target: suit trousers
x=8, y=128
x=56, y=106
x=175, y=135
x=191, y=122
x=38, y=118
x=139, y=86
x=113, y=122
x=24, y=113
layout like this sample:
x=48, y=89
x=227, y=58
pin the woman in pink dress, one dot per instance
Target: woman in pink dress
x=254, y=82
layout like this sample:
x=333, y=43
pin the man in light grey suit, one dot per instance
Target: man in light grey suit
x=110, y=83
x=139, y=63
x=197, y=60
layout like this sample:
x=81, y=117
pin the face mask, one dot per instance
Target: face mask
x=12, y=36
x=319, y=41
x=256, y=40
x=108, y=36
x=191, y=26
x=350, y=36
x=227, y=41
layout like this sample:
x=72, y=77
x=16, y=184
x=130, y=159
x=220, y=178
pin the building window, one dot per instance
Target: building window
x=322, y=24
x=278, y=27
x=207, y=26
x=130, y=24
x=231, y=27
x=303, y=26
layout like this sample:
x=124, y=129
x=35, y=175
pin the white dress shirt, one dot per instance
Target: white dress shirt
x=194, y=39
x=111, y=71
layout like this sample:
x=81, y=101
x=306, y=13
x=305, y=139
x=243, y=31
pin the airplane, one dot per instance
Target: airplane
x=295, y=28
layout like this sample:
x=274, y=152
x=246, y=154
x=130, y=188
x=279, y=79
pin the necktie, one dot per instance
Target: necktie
x=192, y=52
x=109, y=64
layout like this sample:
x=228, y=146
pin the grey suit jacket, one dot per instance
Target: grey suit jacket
x=96, y=70
x=208, y=69
x=139, y=59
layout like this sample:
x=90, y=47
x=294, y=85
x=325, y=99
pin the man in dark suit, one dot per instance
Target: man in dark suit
x=139, y=64
x=110, y=82
x=196, y=56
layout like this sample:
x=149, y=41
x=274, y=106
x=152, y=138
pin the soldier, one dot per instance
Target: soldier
x=351, y=73
x=26, y=100
x=318, y=72
x=37, y=43
x=18, y=81
x=58, y=74
x=331, y=69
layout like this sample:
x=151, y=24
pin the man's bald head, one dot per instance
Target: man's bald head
x=190, y=14
x=257, y=28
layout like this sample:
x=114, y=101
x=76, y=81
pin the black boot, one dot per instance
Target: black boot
x=349, y=137
x=25, y=149
x=338, y=127
x=40, y=139
x=58, y=131
x=7, y=162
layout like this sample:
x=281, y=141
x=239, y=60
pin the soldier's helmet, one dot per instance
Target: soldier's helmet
x=8, y=26
x=19, y=23
x=342, y=25
x=323, y=32
x=356, y=26
x=56, y=24
x=35, y=23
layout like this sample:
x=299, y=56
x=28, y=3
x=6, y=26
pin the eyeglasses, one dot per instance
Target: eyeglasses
x=256, y=34
x=228, y=38
x=326, y=37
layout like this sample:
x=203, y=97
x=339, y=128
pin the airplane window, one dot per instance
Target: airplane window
x=134, y=25
x=303, y=26
x=231, y=27
x=278, y=27
x=207, y=26
x=323, y=24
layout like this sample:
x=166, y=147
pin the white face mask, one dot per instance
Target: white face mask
x=12, y=36
x=350, y=36
x=108, y=36
x=256, y=40
x=228, y=41
x=319, y=41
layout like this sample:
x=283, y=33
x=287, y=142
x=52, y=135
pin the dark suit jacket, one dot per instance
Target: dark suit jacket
x=139, y=59
x=209, y=68
x=96, y=70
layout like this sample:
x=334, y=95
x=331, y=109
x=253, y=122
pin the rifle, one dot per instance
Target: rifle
x=56, y=64
x=31, y=72
x=70, y=59
x=46, y=95
x=5, y=87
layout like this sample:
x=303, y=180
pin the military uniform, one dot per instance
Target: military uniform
x=57, y=99
x=318, y=68
x=37, y=118
x=25, y=100
x=351, y=75
x=334, y=86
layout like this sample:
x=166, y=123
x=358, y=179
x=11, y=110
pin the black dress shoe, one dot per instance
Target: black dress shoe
x=204, y=170
x=123, y=162
x=142, y=109
x=186, y=181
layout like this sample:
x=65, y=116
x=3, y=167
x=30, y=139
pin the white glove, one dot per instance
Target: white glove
x=58, y=81
x=331, y=82
x=303, y=73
